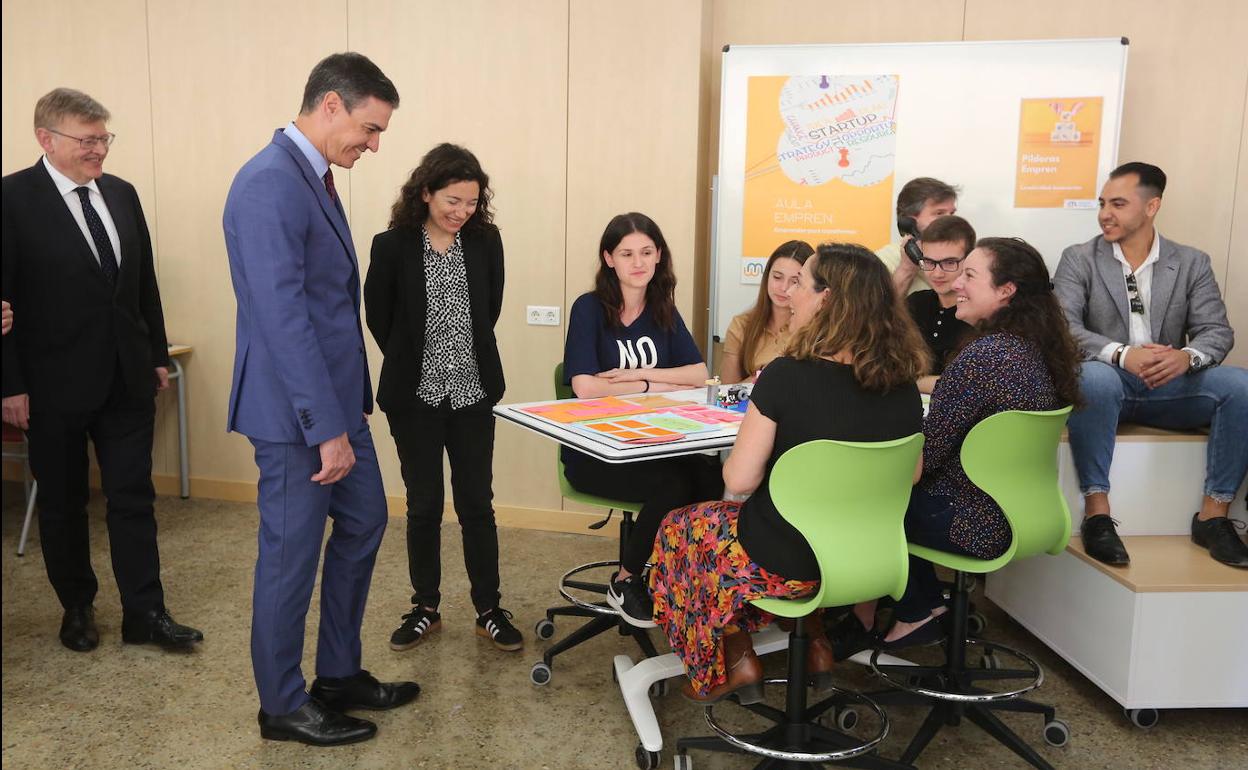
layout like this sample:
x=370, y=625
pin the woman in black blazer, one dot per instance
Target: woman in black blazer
x=433, y=294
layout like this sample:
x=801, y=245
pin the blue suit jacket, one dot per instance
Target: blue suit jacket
x=300, y=372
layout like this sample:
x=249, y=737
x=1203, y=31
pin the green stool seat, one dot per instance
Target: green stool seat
x=848, y=500
x=1013, y=457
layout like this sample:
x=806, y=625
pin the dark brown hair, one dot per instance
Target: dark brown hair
x=442, y=166
x=919, y=191
x=863, y=316
x=760, y=315
x=660, y=292
x=950, y=229
x=1033, y=312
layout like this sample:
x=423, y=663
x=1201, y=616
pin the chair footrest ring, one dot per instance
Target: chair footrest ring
x=1033, y=674
x=803, y=756
x=590, y=606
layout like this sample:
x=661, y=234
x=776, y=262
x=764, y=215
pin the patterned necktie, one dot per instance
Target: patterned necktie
x=108, y=260
x=329, y=186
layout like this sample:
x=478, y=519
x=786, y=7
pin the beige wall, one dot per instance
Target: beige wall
x=579, y=109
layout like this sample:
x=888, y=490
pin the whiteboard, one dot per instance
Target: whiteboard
x=957, y=118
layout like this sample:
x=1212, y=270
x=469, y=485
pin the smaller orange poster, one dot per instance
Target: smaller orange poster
x=1059, y=142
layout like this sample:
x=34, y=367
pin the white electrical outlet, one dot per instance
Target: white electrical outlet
x=542, y=315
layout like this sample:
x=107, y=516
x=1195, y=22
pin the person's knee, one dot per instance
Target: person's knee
x=1099, y=382
x=1230, y=383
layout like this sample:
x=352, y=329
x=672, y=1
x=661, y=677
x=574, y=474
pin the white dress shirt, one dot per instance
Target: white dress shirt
x=68, y=189
x=1140, y=330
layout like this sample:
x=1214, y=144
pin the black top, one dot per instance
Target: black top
x=808, y=400
x=942, y=331
x=594, y=346
x=396, y=305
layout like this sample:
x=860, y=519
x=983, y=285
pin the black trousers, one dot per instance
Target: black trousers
x=467, y=437
x=121, y=431
x=660, y=485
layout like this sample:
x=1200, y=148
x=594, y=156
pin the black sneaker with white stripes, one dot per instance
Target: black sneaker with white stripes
x=416, y=625
x=496, y=626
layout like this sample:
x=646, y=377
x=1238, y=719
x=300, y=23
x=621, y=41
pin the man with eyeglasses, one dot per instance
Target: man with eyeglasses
x=86, y=362
x=1151, y=321
x=945, y=243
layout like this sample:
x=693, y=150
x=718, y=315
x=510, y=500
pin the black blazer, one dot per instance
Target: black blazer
x=71, y=327
x=395, y=306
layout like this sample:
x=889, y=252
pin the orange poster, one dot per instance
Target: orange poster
x=819, y=156
x=1058, y=145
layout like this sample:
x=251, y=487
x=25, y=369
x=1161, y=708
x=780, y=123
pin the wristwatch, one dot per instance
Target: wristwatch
x=1194, y=363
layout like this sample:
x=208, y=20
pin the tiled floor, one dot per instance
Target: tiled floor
x=137, y=707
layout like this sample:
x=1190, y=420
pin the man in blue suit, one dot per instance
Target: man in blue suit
x=301, y=394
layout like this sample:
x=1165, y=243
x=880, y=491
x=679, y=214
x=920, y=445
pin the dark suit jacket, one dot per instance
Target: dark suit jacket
x=70, y=325
x=395, y=306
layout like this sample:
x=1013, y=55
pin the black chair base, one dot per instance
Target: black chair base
x=798, y=729
x=602, y=618
x=951, y=691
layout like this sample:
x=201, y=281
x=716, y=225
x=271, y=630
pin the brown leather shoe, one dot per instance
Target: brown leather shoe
x=745, y=674
x=819, y=657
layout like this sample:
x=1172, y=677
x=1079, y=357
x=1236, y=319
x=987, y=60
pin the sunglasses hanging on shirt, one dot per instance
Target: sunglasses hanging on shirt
x=1133, y=293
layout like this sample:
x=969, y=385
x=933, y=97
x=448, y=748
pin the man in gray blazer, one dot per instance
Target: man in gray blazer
x=1151, y=322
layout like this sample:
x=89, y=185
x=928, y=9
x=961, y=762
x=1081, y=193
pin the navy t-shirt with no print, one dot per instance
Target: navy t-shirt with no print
x=594, y=346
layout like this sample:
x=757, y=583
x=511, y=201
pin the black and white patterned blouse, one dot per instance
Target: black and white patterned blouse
x=449, y=366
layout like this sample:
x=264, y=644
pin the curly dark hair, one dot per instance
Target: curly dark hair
x=1033, y=312
x=660, y=292
x=442, y=166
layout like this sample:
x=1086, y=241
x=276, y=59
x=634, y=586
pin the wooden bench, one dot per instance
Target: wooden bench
x=1167, y=631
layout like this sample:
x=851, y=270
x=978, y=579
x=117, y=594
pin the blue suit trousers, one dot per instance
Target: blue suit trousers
x=293, y=511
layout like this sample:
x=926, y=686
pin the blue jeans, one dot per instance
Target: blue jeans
x=1216, y=397
x=929, y=518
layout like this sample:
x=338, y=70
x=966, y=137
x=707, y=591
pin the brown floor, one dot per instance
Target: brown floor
x=137, y=707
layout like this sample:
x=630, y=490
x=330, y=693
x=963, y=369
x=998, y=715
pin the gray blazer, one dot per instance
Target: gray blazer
x=1186, y=307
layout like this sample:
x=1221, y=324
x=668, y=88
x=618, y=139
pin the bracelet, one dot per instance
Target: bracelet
x=1117, y=357
x=647, y=390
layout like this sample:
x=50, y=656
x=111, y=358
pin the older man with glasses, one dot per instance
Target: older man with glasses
x=86, y=362
x=1150, y=318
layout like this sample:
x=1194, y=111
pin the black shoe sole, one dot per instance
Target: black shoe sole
x=270, y=735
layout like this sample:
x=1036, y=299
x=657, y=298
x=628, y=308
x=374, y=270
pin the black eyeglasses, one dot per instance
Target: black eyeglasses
x=88, y=142
x=948, y=265
x=1133, y=292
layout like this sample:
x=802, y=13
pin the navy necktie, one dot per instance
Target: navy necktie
x=95, y=225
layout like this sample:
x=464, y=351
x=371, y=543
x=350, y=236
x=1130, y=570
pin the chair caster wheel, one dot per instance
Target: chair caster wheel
x=976, y=623
x=658, y=689
x=1145, y=719
x=1056, y=733
x=545, y=629
x=682, y=762
x=646, y=760
x=540, y=674
x=846, y=719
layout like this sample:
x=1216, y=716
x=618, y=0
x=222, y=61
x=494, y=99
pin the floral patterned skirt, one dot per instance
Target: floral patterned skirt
x=703, y=581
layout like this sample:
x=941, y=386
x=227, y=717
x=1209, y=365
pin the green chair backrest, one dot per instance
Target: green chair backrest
x=565, y=487
x=848, y=499
x=1013, y=457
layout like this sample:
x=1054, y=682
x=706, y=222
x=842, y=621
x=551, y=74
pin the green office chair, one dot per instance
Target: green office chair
x=1013, y=457
x=848, y=499
x=602, y=616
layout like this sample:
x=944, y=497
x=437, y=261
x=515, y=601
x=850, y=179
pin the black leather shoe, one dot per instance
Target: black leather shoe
x=158, y=627
x=1220, y=537
x=362, y=691
x=315, y=725
x=78, y=631
x=1101, y=542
